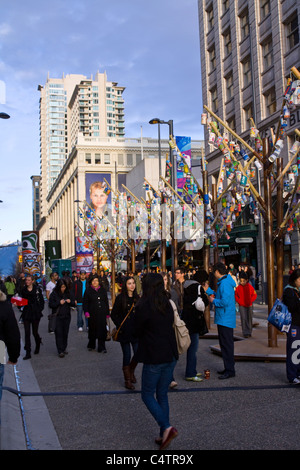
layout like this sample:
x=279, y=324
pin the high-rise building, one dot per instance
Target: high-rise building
x=248, y=49
x=70, y=106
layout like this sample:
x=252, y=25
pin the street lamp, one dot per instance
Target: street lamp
x=4, y=116
x=170, y=124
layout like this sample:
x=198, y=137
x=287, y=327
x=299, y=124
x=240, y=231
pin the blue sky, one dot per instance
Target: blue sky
x=150, y=47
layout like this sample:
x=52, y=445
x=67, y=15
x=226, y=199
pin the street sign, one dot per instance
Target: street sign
x=244, y=240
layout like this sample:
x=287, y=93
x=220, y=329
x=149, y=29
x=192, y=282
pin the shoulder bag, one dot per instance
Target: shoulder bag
x=181, y=332
x=115, y=332
x=280, y=317
x=199, y=304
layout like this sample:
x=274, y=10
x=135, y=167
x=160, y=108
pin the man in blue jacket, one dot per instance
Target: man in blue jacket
x=225, y=317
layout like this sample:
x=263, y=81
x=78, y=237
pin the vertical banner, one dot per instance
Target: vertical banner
x=32, y=259
x=184, y=164
x=84, y=254
x=52, y=249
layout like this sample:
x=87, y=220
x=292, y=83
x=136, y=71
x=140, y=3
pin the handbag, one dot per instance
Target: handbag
x=182, y=335
x=280, y=317
x=199, y=304
x=115, y=332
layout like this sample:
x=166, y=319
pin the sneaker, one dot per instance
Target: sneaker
x=193, y=379
x=80, y=329
x=198, y=374
x=295, y=381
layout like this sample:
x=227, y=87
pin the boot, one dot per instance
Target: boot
x=27, y=356
x=128, y=383
x=38, y=345
x=132, y=367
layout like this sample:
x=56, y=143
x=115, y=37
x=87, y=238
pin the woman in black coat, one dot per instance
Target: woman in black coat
x=291, y=298
x=195, y=321
x=32, y=314
x=157, y=350
x=60, y=301
x=124, y=304
x=96, y=308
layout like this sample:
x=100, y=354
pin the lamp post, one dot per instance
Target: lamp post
x=4, y=116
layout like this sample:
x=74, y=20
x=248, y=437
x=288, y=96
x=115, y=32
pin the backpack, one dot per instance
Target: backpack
x=181, y=332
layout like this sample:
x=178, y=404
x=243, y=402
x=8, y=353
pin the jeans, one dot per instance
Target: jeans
x=156, y=379
x=227, y=348
x=191, y=356
x=80, y=316
x=127, y=352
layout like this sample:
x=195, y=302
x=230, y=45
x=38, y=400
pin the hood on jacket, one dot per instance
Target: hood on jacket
x=2, y=296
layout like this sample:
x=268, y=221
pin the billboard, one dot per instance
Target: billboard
x=97, y=191
x=84, y=253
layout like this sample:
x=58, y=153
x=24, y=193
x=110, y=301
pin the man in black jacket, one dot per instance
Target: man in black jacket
x=9, y=336
x=79, y=288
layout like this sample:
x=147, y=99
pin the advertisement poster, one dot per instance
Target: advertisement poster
x=84, y=254
x=98, y=194
x=32, y=259
x=184, y=146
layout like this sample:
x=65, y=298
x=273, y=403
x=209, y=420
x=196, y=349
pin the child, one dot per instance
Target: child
x=245, y=296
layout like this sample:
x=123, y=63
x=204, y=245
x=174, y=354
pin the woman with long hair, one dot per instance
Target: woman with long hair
x=291, y=298
x=157, y=350
x=123, y=313
x=60, y=301
x=32, y=314
x=96, y=309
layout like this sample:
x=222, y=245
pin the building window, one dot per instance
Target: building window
x=214, y=99
x=264, y=8
x=129, y=159
x=248, y=114
x=231, y=123
x=267, y=54
x=106, y=158
x=229, y=86
x=120, y=159
x=138, y=158
x=270, y=102
x=244, y=23
x=225, y=6
x=212, y=59
x=227, y=42
x=246, y=65
x=210, y=18
x=292, y=32
x=97, y=159
x=88, y=158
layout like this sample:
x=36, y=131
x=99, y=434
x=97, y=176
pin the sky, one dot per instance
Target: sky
x=150, y=47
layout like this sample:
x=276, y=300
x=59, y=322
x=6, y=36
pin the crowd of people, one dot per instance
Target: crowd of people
x=143, y=317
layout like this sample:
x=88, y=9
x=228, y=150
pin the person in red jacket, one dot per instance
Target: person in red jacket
x=245, y=295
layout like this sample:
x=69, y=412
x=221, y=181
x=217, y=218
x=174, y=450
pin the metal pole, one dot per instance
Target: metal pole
x=279, y=239
x=272, y=335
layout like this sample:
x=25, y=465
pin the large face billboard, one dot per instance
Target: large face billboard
x=98, y=191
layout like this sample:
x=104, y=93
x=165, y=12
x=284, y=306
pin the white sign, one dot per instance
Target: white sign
x=244, y=240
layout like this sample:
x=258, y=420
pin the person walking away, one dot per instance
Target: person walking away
x=9, y=335
x=10, y=287
x=173, y=295
x=245, y=295
x=291, y=298
x=32, y=314
x=225, y=317
x=49, y=288
x=124, y=305
x=96, y=309
x=193, y=319
x=61, y=300
x=157, y=350
x=79, y=288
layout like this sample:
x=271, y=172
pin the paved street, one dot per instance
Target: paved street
x=79, y=402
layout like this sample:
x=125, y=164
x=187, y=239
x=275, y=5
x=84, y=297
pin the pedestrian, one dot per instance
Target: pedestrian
x=96, y=309
x=245, y=295
x=32, y=314
x=291, y=298
x=178, y=286
x=194, y=320
x=122, y=315
x=173, y=295
x=61, y=300
x=79, y=288
x=225, y=317
x=10, y=287
x=157, y=350
x=103, y=280
x=49, y=288
x=9, y=335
